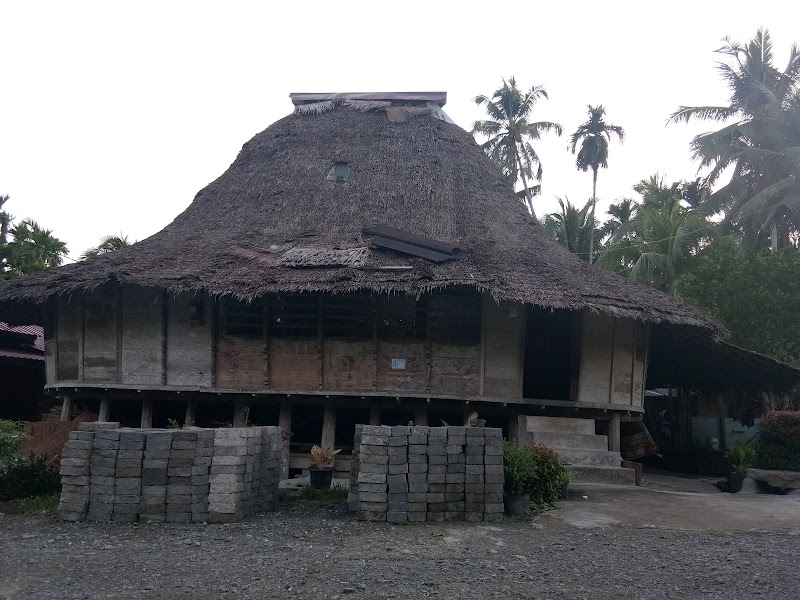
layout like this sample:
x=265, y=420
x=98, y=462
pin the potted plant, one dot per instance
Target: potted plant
x=740, y=457
x=321, y=470
x=519, y=472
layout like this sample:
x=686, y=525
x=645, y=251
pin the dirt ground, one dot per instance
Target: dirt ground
x=600, y=543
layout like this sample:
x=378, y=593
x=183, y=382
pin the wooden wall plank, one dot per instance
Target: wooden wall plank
x=597, y=332
x=413, y=377
x=455, y=369
x=503, y=349
x=141, y=348
x=189, y=357
x=100, y=335
x=294, y=363
x=240, y=362
x=622, y=374
x=348, y=365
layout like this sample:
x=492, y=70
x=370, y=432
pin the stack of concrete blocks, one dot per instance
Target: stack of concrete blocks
x=155, y=478
x=75, y=472
x=180, y=476
x=413, y=474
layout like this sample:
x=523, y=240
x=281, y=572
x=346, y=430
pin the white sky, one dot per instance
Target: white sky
x=114, y=115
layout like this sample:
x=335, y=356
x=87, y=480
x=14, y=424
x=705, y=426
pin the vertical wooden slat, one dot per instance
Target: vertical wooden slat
x=575, y=356
x=328, y=435
x=320, y=348
x=633, y=361
x=164, y=322
x=613, y=354
x=82, y=337
x=522, y=337
x=285, y=426
x=215, y=326
x=267, y=362
x=482, y=366
x=375, y=343
x=118, y=323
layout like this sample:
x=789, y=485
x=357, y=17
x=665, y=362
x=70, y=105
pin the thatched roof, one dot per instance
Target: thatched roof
x=276, y=222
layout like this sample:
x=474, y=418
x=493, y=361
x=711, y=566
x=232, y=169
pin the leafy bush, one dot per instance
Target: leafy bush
x=534, y=470
x=12, y=434
x=778, y=444
x=29, y=478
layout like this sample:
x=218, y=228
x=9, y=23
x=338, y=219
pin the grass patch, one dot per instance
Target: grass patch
x=309, y=494
x=34, y=504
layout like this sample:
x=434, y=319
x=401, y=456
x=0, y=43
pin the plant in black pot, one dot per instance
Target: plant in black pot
x=740, y=457
x=321, y=470
x=519, y=470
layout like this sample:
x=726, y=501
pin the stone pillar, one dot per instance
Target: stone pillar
x=191, y=412
x=421, y=415
x=613, y=432
x=285, y=427
x=66, y=408
x=328, y=438
x=102, y=414
x=241, y=409
x=374, y=414
x=147, y=413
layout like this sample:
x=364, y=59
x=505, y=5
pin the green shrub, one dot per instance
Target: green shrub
x=534, y=470
x=12, y=434
x=29, y=478
x=778, y=444
x=740, y=457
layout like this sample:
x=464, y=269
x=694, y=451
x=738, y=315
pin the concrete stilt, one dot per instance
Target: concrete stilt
x=285, y=425
x=614, y=432
x=66, y=408
x=191, y=412
x=147, y=413
x=421, y=415
x=103, y=412
x=328, y=439
x=241, y=408
x=374, y=414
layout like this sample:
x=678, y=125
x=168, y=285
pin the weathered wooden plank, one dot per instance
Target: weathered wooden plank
x=189, y=359
x=240, y=362
x=596, y=347
x=412, y=378
x=348, y=365
x=100, y=335
x=68, y=338
x=455, y=369
x=294, y=363
x=141, y=348
x=503, y=348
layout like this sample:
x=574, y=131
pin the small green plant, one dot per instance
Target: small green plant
x=12, y=434
x=777, y=446
x=173, y=424
x=534, y=470
x=741, y=457
x=29, y=478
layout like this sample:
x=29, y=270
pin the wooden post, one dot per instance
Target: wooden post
x=613, y=432
x=421, y=415
x=191, y=413
x=147, y=413
x=374, y=413
x=285, y=425
x=102, y=414
x=241, y=409
x=66, y=408
x=328, y=438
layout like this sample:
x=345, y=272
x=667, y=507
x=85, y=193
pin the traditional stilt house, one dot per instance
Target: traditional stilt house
x=361, y=260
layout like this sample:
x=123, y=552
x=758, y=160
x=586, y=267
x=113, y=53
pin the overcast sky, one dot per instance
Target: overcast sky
x=115, y=114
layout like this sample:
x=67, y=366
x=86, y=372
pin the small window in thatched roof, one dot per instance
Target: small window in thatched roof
x=340, y=171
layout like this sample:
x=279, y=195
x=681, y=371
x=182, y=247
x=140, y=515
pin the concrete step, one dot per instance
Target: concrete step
x=562, y=424
x=556, y=439
x=581, y=456
x=596, y=474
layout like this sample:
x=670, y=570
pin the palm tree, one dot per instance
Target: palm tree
x=760, y=142
x=34, y=248
x=571, y=227
x=509, y=132
x=659, y=235
x=108, y=243
x=5, y=220
x=593, y=137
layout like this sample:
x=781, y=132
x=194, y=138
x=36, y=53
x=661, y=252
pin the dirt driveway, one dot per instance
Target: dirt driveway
x=616, y=543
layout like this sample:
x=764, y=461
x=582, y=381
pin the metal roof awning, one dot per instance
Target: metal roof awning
x=385, y=236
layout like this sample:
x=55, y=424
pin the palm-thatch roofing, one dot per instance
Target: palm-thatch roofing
x=275, y=222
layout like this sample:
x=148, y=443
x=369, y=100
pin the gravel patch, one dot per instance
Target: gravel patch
x=309, y=551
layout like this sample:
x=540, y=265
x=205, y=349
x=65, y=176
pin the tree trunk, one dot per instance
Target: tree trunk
x=774, y=236
x=591, y=219
x=525, y=185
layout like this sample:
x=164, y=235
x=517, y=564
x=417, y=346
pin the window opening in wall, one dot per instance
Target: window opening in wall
x=347, y=316
x=455, y=317
x=401, y=318
x=243, y=318
x=294, y=315
x=340, y=172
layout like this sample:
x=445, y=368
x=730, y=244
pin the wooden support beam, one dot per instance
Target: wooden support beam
x=102, y=414
x=374, y=413
x=191, y=413
x=66, y=408
x=285, y=425
x=421, y=415
x=241, y=409
x=328, y=438
x=147, y=413
x=614, y=432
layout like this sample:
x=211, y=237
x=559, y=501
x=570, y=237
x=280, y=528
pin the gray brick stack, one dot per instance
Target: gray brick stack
x=412, y=474
x=178, y=476
x=352, y=496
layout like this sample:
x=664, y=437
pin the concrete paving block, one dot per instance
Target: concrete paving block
x=437, y=488
x=474, y=478
x=364, y=477
x=367, y=459
x=437, y=478
x=82, y=454
x=417, y=497
x=437, y=460
x=416, y=517
x=417, y=459
x=418, y=439
x=493, y=460
x=74, y=471
x=372, y=468
x=437, y=432
x=437, y=450
x=401, y=431
x=494, y=478
x=371, y=487
x=227, y=469
x=435, y=498
x=435, y=517
x=396, y=517
x=81, y=435
x=417, y=477
x=103, y=463
x=456, y=431
x=417, y=487
x=454, y=478
x=493, y=450
x=494, y=507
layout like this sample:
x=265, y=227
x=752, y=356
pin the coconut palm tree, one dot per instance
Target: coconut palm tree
x=108, y=243
x=759, y=142
x=33, y=249
x=571, y=227
x=593, y=137
x=509, y=132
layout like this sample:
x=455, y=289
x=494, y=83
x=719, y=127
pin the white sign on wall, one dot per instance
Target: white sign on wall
x=398, y=363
